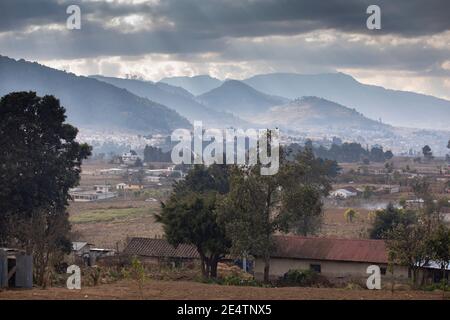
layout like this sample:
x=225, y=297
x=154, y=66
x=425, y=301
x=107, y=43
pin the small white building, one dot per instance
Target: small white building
x=102, y=188
x=344, y=193
x=100, y=192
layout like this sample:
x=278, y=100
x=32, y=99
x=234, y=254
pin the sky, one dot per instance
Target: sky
x=237, y=39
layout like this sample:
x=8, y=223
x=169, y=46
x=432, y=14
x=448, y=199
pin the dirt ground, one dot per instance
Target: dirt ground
x=185, y=290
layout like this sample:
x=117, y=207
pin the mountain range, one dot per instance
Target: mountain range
x=176, y=98
x=197, y=85
x=240, y=99
x=89, y=103
x=398, y=108
x=311, y=113
x=326, y=102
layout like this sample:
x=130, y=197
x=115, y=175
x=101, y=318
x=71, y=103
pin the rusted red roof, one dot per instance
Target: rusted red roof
x=160, y=248
x=314, y=248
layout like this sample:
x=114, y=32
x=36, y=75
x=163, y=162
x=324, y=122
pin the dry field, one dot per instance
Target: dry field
x=185, y=290
x=335, y=224
x=108, y=223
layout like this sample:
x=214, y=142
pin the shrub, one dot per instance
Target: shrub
x=301, y=278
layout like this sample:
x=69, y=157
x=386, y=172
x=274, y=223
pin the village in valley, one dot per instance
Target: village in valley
x=255, y=150
x=119, y=244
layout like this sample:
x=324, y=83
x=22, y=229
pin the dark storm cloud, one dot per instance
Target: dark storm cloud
x=186, y=28
x=240, y=18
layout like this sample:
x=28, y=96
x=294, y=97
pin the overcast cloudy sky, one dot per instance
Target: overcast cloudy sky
x=237, y=38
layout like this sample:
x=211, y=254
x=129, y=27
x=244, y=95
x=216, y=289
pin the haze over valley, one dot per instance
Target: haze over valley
x=113, y=111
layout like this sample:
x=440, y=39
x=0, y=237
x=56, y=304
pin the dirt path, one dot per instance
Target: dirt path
x=183, y=290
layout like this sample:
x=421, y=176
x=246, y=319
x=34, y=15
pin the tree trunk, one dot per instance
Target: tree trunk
x=214, y=262
x=203, y=265
x=266, y=268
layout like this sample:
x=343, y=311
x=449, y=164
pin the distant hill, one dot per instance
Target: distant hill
x=175, y=98
x=315, y=113
x=398, y=108
x=196, y=85
x=240, y=99
x=89, y=102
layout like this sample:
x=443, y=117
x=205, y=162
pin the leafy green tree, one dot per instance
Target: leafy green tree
x=407, y=246
x=350, y=215
x=427, y=153
x=388, y=155
x=189, y=216
x=304, y=181
x=439, y=246
x=249, y=213
x=258, y=206
x=40, y=160
x=429, y=210
x=368, y=192
x=387, y=219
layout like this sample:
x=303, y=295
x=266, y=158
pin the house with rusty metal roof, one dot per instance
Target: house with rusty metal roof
x=160, y=251
x=340, y=260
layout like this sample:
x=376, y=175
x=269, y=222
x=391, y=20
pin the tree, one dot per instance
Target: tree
x=387, y=219
x=258, y=206
x=429, y=210
x=426, y=150
x=39, y=161
x=189, y=216
x=304, y=181
x=407, y=245
x=138, y=163
x=350, y=214
x=439, y=246
x=249, y=213
x=388, y=155
x=155, y=154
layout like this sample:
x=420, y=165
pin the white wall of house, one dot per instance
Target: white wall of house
x=333, y=270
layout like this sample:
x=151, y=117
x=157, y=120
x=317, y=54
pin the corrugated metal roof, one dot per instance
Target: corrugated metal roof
x=78, y=245
x=160, y=248
x=354, y=250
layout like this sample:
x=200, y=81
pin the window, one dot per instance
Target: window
x=315, y=267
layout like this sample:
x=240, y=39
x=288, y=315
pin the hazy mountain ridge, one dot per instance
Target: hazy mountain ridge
x=240, y=99
x=196, y=85
x=313, y=113
x=399, y=108
x=89, y=102
x=175, y=98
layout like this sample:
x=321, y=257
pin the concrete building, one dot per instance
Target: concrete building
x=340, y=260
